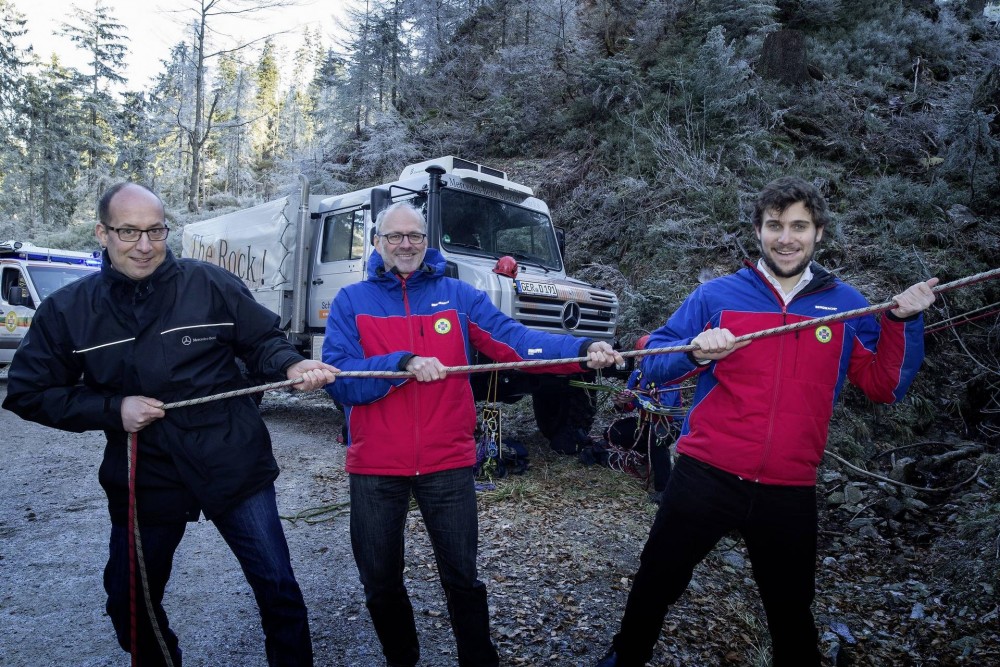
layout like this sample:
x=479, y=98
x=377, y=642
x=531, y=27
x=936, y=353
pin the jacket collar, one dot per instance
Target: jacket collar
x=821, y=278
x=434, y=265
x=116, y=277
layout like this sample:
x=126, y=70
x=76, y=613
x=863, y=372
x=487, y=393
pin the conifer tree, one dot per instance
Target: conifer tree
x=55, y=124
x=103, y=39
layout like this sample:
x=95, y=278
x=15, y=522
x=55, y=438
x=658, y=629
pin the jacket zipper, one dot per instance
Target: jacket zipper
x=812, y=288
x=777, y=378
x=772, y=415
x=416, y=395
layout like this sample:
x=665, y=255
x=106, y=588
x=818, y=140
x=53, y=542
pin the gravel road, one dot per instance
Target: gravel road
x=53, y=546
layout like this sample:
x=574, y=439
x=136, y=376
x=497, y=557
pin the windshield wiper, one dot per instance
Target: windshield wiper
x=529, y=259
x=463, y=245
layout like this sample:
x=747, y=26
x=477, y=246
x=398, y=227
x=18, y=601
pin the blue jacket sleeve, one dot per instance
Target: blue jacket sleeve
x=688, y=321
x=885, y=359
x=505, y=339
x=342, y=348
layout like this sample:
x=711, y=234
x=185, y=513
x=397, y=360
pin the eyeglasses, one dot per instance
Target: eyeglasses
x=395, y=238
x=131, y=235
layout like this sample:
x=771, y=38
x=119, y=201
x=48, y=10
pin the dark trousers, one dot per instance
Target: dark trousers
x=447, y=502
x=701, y=504
x=253, y=532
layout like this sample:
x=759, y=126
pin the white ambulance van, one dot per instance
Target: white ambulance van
x=28, y=274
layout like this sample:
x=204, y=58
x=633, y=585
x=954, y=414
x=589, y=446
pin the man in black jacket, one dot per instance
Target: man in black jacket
x=107, y=352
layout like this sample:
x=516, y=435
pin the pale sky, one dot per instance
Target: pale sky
x=153, y=32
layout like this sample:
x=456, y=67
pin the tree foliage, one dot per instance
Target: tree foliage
x=103, y=40
x=654, y=121
x=647, y=125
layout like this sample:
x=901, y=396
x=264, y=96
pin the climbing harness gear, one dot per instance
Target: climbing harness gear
x=489, y=461
x=656, y=423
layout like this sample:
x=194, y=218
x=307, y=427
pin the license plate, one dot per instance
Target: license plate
x=537, y=289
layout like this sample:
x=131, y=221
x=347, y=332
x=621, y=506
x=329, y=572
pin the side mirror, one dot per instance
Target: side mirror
x=380, y=200
x=561, y=241
x=15, y=296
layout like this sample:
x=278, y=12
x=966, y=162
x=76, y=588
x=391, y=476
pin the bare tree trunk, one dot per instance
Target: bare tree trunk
x=196, y=135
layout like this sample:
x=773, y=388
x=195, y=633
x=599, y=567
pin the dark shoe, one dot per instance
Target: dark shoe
x=610, y=659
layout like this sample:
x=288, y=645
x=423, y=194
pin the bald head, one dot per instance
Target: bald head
x=123, y=211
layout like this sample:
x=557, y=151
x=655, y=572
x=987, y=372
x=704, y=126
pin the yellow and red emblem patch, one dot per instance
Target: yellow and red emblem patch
x=824, y=334
x=442, y=326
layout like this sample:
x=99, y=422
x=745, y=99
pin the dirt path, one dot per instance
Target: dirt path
x=558, y=546
x=53, y=546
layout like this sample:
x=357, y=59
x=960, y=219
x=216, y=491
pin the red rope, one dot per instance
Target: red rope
x=136, y=562
x=966, y=319
x=133, y=451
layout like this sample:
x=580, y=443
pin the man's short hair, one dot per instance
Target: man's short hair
x=401, y=205
x=104, y=203
x=782, y=192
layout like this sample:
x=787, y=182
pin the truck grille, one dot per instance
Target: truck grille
x=594, y=316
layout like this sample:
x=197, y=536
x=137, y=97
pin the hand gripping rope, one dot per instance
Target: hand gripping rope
x=135, y=547
x=512, y=365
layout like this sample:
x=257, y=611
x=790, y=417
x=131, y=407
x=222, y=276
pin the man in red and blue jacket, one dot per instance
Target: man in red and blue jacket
x=754, y=436
x=416, y=435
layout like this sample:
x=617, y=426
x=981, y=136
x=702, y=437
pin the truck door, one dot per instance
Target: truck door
x=339, y=260
x=17, y=315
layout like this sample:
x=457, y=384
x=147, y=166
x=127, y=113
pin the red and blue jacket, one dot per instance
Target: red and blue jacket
x=763, y=412
x=404, y=427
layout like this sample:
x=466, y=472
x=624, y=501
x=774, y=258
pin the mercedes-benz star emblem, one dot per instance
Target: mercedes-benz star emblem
x=571, y=315
x=186, y=340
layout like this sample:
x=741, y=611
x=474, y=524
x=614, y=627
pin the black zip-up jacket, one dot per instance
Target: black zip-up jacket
x=175, y=335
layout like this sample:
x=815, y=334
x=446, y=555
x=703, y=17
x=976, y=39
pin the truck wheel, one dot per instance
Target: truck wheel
x=564, y=415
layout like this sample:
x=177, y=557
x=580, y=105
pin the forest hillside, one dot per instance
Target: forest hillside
x=647, y=125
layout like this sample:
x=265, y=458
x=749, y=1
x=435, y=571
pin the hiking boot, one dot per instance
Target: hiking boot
x=610, y=659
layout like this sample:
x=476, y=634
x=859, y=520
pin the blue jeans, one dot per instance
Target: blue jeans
x=447, y=502
x=253, y=531
x=700, y=505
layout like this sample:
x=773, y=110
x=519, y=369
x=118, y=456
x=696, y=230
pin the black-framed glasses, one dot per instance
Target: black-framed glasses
x=131, y=235
x=395, y=238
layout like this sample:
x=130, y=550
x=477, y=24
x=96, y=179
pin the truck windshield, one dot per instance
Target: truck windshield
x=477, y=225
x=49, y=278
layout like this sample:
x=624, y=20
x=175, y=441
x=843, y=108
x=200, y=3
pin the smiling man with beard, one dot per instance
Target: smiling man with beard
x=753, y=439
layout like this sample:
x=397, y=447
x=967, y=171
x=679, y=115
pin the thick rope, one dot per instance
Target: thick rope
x=133, y=528
x=512, y=365
x=963, y=318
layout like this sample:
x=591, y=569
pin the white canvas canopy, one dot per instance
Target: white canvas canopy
x=256, y=244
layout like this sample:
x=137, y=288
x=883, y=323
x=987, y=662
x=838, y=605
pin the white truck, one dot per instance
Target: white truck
x=295, y=253
x=28, y=274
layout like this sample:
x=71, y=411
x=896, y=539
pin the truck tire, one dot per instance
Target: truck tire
x=564, y=415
